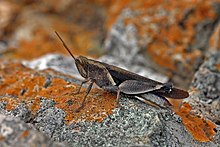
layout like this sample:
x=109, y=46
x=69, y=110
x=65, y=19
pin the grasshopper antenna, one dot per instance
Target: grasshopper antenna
x=64, y=44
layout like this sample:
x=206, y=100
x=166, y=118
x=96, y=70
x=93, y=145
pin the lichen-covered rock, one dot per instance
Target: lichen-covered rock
x=134, y=123
x=174, y=41
x=14, y=132
x=205, y=87
x=50, y=109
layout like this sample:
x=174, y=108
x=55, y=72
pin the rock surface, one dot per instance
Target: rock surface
x=134, y=123
x=164, y=36
x=14, y=132
x=205, y=87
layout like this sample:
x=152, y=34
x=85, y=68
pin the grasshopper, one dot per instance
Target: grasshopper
x=114, y=79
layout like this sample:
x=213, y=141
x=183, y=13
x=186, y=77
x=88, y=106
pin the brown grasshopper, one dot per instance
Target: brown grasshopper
x=115, y=79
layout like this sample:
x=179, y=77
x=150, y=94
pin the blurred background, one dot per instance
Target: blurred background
x=169, y=39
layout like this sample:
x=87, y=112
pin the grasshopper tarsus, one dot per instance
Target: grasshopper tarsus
x=115, y=79
x=77, y=110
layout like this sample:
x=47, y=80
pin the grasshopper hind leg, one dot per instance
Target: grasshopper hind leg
x=117, y=99
x=113, y=88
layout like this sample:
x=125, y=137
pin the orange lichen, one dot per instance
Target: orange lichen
x=44, y=41
x=158, y=52
x=114, y=10
x=176, y=103
x=201, y=129
x=77, y=38
x=11, y=103
x=38, y=46
x=214, y=41
x=24, y=134
x=99, y=103
x=35, y=105
x=26, y=85
x=218, y=67
x=83, y=33
x=2, y=138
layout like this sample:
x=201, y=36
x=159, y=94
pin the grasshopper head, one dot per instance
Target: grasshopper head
x=81, y=64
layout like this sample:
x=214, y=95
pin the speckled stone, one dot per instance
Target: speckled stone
x=206, y=97
x=16, y=133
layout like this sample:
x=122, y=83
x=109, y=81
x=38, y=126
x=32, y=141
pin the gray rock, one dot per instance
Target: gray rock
x=56, y=62
x=49, y=118
x=203, y=32
x=14, y=132
x=22, y=112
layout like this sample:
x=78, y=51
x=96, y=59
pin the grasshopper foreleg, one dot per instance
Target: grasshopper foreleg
x=87, y=92
x=83, y=82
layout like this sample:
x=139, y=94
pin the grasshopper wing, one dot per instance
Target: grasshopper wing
x=175, y=93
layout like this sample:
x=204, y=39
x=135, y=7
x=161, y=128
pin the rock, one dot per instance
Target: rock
x=50, y=111
x=124, y=50
x=135, y=124
x=205, y=87
x=172, y=43
x=57, y=62
x=14, y=132
x=49, y=119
